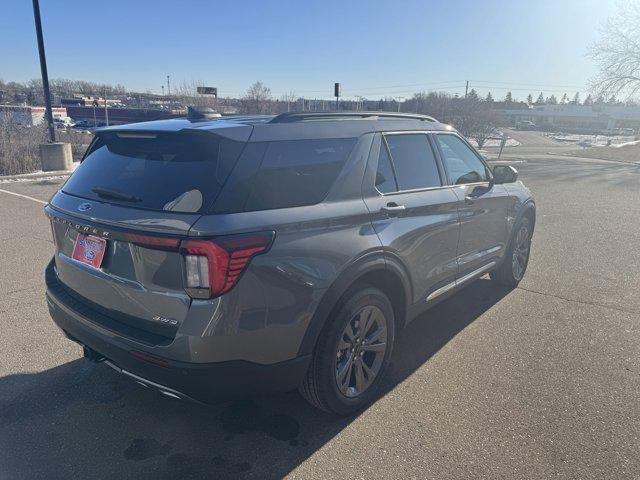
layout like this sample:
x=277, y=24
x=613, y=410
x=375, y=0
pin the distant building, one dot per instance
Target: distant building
x=588, y=118
x=29, y=116
x=117, y=115
x=83, y=101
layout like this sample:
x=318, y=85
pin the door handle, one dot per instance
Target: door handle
x=393, y=209
x=469, y=200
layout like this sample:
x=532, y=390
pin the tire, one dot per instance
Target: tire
x=335, y=349
x=507, y=274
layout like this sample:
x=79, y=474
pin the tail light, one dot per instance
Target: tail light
x=214, y=266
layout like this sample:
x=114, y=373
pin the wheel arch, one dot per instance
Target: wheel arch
x=528, y=209
x=376, y=269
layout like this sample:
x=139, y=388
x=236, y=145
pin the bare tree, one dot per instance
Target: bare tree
x=257, y=99
x=475, y=120
x=617, y=53
x=290, y=99
x=186, y=93
x=19, y=145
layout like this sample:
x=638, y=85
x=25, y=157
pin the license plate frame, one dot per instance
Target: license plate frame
x=89, y=250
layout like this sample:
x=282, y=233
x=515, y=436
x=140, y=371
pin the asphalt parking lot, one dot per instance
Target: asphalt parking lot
x=542, y=381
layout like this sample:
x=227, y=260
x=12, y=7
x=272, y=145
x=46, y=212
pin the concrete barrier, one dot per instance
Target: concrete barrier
x=56, y=156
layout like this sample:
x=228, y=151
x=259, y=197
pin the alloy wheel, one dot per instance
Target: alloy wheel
x=520, y=255
x=361, y=350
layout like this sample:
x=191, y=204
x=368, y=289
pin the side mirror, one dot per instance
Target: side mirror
x=504, y=174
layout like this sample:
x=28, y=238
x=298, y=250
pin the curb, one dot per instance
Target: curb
x=577, y=157
x=25, y=177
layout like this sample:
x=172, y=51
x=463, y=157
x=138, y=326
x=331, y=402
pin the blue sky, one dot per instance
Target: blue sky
x=375, y=48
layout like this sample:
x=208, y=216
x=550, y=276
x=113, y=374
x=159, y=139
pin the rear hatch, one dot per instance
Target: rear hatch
x=118, y=219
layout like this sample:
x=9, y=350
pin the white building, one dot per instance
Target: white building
x=579, y=117
x=30, y=115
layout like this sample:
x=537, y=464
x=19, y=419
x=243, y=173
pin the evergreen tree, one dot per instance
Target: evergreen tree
x=473, y=95
x=508, y=98
x=564, y=99
x=576, y=99
x=540, y=100
x=612, y=100
x=529, y=100
x=588, y=101
x=489, y=98
x=552, y=100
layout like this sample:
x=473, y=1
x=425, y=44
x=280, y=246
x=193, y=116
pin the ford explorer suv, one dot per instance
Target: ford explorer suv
x=210, y=258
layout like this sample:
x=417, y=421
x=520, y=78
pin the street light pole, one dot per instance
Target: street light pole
x=106, y=112
x=43, y=71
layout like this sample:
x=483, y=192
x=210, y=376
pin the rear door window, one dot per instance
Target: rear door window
x=180, y=172
x=413, y=160
x=294, y=173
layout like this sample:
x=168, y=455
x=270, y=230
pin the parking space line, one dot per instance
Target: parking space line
x=24, y=196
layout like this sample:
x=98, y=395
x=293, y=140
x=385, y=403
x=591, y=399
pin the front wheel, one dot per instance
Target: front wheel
x=512, y=269
x=352, y=353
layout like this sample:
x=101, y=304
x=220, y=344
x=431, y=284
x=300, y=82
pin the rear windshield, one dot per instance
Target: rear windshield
x=180, y=172
x=297, y=172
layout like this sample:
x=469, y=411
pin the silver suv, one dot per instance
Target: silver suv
x=209, y=258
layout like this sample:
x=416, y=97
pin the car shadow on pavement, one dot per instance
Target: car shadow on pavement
x=81, y=420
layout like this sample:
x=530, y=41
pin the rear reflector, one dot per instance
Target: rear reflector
x=214, y=266
x=149, y=358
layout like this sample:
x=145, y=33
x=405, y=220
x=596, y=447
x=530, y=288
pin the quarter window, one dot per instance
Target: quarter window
x=295, y=173
x=461, y=162
x=385, y=178
x=413, y=160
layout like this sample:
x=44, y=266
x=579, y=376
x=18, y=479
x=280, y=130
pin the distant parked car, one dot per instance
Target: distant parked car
x=63, y=122
x=525, y=125
x=215, y=257
x=83, y=124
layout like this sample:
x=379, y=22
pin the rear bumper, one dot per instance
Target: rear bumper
x=205, y=382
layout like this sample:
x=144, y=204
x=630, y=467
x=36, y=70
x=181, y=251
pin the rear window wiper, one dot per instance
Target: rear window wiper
x=115, y=194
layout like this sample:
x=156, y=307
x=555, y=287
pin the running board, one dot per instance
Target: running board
x=460, y=281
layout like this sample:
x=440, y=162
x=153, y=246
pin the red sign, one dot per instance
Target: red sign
x=89, y=250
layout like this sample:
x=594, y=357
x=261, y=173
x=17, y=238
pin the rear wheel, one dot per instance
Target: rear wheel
x=512, y=269
x=352, y=353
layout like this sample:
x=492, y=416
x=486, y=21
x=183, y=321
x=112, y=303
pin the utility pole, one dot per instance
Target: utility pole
x=466, y=90
x=106, y=112
x=43, y=71
x=398, y=99
x=162, y=90
x=168, y=87
x=337, y=91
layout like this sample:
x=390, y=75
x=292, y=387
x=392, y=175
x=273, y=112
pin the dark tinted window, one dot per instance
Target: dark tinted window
x=414, y=161
x=462, y=164
x=297, y=172
x=385, y=178
x=180, y=172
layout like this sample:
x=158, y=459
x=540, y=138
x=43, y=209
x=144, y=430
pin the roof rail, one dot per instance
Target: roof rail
x=289, y=117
